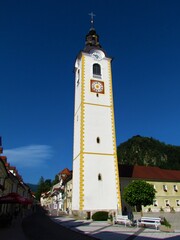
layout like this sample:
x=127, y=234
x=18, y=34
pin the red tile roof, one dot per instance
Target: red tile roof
x=148, y=173
x=1, y=150
x=65, y=171
x=4, y=158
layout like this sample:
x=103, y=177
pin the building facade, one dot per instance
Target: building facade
x=166, y=183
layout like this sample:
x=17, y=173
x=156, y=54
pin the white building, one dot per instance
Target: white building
x=95, y=168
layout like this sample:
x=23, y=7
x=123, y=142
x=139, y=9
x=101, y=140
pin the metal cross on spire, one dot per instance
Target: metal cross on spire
x=92, y=19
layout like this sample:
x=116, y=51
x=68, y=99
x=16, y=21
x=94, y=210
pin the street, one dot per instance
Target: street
x=39, y=226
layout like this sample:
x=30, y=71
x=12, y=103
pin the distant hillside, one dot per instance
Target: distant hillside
x=33, y=187
x=149, y=152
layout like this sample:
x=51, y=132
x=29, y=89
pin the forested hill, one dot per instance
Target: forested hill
x=149, y=152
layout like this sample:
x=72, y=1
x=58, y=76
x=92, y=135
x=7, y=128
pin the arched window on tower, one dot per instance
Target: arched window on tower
x=96, y=70
x=99, y=177
x=98, y=140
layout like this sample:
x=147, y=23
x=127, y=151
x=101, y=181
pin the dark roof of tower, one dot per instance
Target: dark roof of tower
x=92, y=41
x=92, y=38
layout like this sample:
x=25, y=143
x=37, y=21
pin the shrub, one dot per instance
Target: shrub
x=166, y=223
x=100, y=216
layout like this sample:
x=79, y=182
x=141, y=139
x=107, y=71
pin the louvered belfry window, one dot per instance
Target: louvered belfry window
x=96, y=69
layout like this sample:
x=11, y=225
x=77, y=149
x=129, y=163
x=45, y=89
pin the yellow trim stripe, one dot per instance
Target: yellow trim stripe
x=81, y=165
x=100, y=105
x=114, y=140
x=94, y=153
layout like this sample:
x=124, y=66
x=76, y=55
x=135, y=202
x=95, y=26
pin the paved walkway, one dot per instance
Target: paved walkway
x=105, y=231
x=39, y=226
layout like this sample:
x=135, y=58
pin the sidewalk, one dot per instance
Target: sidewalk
x=106, y=231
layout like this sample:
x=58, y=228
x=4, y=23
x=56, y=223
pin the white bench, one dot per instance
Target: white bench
x=122, y=219
x=149, y=221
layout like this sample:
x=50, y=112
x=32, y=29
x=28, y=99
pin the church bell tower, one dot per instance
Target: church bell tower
x=95, y=167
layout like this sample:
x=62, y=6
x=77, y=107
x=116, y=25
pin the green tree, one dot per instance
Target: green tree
x=147, y=151
x=56, y=180
x=39, y=188
x=47, y=185
x=139, y=193
x=43, y=186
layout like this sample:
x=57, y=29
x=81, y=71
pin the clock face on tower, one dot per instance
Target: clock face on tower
x=97, y=54
x=97, y=86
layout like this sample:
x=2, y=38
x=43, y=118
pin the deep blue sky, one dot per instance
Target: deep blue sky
x=39, y=41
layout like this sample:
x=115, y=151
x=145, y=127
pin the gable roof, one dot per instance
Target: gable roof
x=65, y=171
x=148, y=173
x=3, y=165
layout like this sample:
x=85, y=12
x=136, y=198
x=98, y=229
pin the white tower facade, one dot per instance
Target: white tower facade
x=95, y=167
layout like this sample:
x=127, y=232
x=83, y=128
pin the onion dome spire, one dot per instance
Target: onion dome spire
x=92, y=38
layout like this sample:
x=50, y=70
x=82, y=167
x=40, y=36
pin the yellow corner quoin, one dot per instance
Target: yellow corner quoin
x=81, y=182
x=118, y=185
x=114, y=139
x=110, y=82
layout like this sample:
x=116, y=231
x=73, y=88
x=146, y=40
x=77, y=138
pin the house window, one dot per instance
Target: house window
x=155, y=203
x=165, y=188
x=178, y=203
x=96, y=69
x=99, y=177
x=175, y=188
x=98, y=140
x=167, y=203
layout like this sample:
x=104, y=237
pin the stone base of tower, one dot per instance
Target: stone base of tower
x=87, y=214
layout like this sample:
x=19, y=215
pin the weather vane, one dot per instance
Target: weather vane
x=92, y=19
